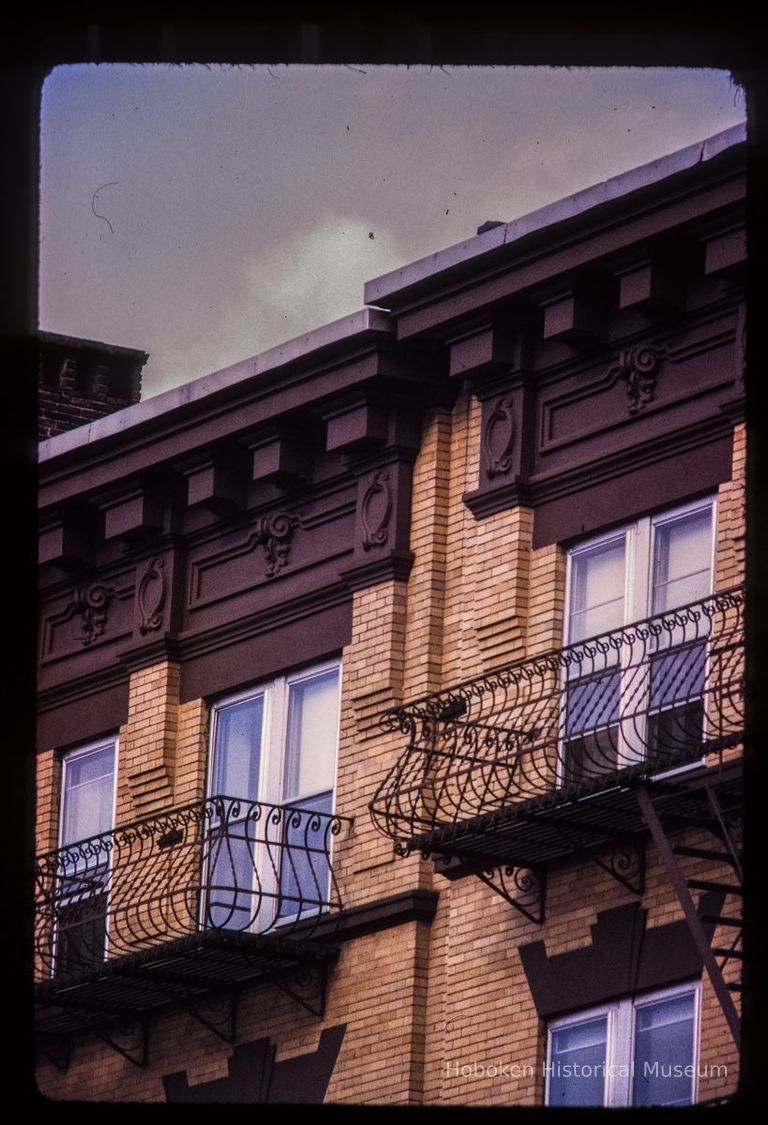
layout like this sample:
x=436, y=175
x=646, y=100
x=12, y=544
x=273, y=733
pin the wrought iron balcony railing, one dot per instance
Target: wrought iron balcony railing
x=651, y=696
x=221, y=864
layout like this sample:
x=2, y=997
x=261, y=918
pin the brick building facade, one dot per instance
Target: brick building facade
x=393, y=680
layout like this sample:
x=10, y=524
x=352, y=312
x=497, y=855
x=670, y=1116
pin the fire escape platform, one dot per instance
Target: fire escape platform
x=545, y=829
x=178, y=971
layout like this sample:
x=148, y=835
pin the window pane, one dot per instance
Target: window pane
x=81, y=933
x=577, y=1064
x=312, y=734
x=676, y=721
x=237, y=751
x=663, y=1051
x=597, y=591
x=592, y=736
x=678, y=676
x=304, y=874
x=683, y=552
x=232, y=887
x=88, y=794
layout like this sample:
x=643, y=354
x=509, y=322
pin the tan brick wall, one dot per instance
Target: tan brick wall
x=147, y=746
x=729, y=555
x=47, y=797
x=429, y=543
x=191, y=752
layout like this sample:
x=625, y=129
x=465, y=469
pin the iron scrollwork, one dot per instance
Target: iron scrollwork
x=522, y=888
x=220, y=864
x=653, y=695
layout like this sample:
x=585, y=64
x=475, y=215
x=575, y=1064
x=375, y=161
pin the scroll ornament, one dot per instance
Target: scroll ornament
x=638, y=368
x=274, y=533
x=90, y=602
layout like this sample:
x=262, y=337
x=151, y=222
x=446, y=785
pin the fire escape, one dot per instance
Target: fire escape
x=591, y=749
x=184, y=908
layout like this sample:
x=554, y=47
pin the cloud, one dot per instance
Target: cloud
x=296, y=283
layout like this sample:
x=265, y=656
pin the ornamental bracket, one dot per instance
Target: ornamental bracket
x=638, y=367
x=522, y=887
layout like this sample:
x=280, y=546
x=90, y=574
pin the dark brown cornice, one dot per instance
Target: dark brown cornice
x=109, y=676
x=394, y=567
x=245, y=410
x=440, y=300
x=283, y=613
x=537, y=491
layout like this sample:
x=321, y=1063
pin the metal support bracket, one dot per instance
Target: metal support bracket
x=522, y=887
x=129, y=1040
x=123, y=1031
x=307, y=988
x=627, y=860
x=215, y=1010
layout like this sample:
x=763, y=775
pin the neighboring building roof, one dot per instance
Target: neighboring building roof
x=81, y=380
x=337, y=335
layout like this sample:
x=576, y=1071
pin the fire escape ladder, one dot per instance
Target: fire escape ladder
x=718, y=825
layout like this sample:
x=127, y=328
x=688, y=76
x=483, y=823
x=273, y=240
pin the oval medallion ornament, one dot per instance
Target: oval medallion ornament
x=375, y=511
x=499, y=438
x=151, y=596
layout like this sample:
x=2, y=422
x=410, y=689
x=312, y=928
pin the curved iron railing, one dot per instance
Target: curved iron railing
x=217, y=864
x=652, y=695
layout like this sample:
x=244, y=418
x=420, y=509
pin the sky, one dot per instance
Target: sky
x=205, y=214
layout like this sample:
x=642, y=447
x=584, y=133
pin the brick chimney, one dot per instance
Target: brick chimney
x=81, y=380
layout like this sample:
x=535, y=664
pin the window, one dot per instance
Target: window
x=273, y=758
x=638, y=695
x=87, y=810
x=634, y=1052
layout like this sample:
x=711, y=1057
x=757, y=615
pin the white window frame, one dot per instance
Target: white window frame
x=639, y=552
x=274, y=735
x=274, y=731
x=620, y=1040
x=66, y=758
